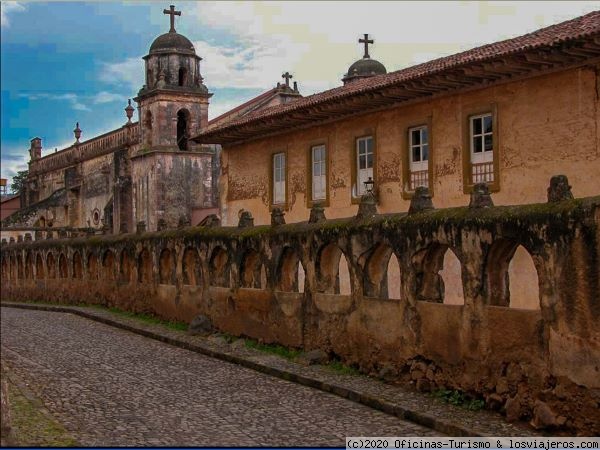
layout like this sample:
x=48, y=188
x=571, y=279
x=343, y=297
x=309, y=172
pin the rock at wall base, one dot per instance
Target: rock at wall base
x=200, y=326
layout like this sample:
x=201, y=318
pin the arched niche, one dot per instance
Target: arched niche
x=332, y=271
x=191, y=269
x=145, y=267
x=77, y=265
x=511, y=276
x=439, y=275
x=166, y=267
x=219, y=268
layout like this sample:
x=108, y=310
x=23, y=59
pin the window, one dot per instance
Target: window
x=364, y=163
x=319, y=172
x=481, y=148
x=418, y=154
x=279, y=178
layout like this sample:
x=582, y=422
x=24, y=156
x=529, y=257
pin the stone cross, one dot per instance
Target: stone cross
x=287, y=77
x=366, y=41
x=171, y=12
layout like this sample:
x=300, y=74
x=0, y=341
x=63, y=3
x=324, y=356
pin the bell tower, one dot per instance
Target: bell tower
x=172, y=176
x=173, y=104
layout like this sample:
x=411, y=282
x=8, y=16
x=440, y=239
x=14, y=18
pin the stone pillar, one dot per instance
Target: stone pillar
x=421, y=201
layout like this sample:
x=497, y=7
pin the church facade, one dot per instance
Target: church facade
x=510, y=114
x=146, y=175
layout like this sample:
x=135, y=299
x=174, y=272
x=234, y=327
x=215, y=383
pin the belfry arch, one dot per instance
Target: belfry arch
x=183, y=124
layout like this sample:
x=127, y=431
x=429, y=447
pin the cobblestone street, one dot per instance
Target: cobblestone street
x=110, y=387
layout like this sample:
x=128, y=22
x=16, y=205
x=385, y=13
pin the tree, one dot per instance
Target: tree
x=18, y=181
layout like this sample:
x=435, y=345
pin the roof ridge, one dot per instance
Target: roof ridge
x=586, y=25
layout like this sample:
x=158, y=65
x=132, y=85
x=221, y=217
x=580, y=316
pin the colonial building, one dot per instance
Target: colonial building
x=510, y=114
x=145, y=174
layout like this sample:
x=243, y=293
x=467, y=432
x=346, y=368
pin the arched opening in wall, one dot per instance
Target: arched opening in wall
x=394, y=281
x=166, y=266
x=183, y=120
x=63, y=268
x=41, y=222
x=523, y=281
x=51, y=266
x=263, y=277
x=190, y=267
x=512, y=278
x=39, y=267
x=439, y=275
x=250, y=269
x=77, y=265
x=148, y=128
x=92, y=267
x=183, y=73
x=108, y=265
x=288, y=273
x=378, y=279
x=126, y=266
x=28, y=266
x=332, y=271
x=145, y=267
x=218, y=267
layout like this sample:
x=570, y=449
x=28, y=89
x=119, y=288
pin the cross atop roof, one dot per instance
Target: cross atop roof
x=287, y=77
x=366, y=41
x=171, y=12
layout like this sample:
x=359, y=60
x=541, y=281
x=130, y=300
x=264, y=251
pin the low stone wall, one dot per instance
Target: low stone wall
x=282, y=284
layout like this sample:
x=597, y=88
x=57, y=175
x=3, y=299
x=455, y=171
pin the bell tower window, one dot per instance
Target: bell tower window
x=182, y=129
x=182, y=76
x=150, y=80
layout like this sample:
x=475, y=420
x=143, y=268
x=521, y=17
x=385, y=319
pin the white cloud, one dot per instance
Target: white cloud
x=317, y=41
x=106, y=97
x=15, y=162
x=7, y=8
x=129, y=72
x=73, y=99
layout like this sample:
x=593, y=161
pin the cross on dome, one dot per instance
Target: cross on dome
x=171, y=12
x=287, y=77
x=366, y=41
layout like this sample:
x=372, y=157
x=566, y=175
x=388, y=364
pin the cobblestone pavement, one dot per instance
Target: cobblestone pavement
x=110, y=387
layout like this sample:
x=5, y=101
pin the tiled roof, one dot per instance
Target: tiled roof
x=554, y=35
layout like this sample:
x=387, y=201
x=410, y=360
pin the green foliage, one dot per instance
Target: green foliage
x=339, y=367
x=459, y=398
x=31, y=426
x=274, y=349
x=150, y=319
x=18, y=181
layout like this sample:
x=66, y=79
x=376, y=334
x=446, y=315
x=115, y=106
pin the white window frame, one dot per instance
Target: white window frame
x=364, y=173
x=418, y=170
x=279, y=178
x=319, y=182
x=482, y=169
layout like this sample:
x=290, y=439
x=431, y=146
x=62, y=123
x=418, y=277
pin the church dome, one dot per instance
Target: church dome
x=172, y=42
x=365, y=67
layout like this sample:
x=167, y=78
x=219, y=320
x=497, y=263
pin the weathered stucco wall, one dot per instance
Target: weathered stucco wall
x=171, y=185
x=541, y=131
x=283, y=284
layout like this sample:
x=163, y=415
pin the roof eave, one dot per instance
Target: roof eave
x=520, y=64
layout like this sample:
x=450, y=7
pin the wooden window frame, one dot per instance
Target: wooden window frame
x=309, y=164
x=369, y=132
x=272, y=204
x=492, y=109
x=407, y=194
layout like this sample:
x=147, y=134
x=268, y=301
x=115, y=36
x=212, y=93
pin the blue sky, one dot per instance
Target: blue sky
x=67, y=62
